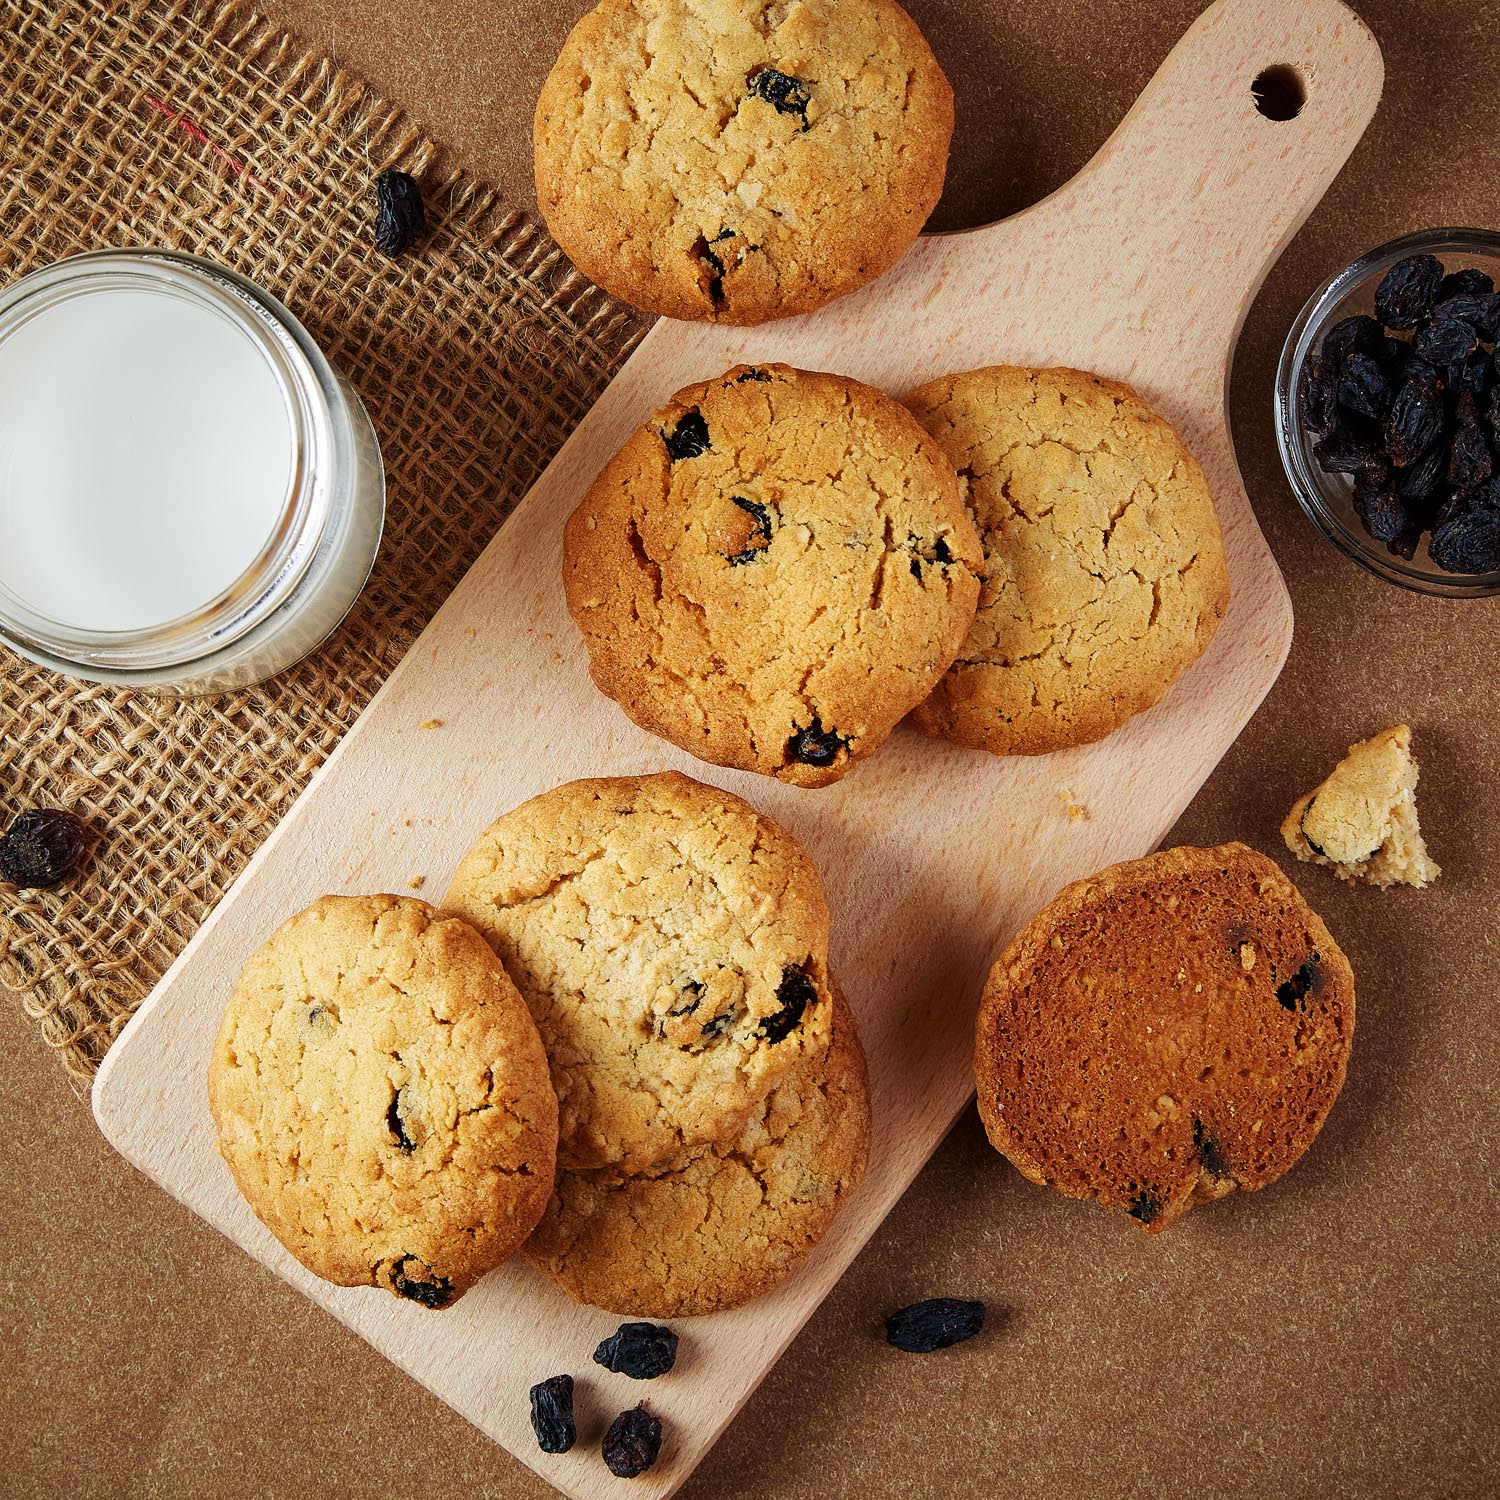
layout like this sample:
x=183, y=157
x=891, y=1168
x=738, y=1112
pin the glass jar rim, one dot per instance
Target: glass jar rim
x=1306, y=328
x=303, y=377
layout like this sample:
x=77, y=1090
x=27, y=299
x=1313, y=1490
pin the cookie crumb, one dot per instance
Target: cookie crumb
x=1076, y=811
x=431, y=724
x=1247, y=956
x=416, y=882
x=1362, y=820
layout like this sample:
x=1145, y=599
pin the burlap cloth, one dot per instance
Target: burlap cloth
x=203, y=129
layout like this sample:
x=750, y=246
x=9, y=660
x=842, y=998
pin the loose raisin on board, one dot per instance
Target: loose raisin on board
x=789, y=96
x=552, y=1414
x=815, y=746
x=937, y=1323
x=794, y=994
x=643, y=1351
x=688, y=438
x=632, y=1443
x=42, y=847
x=1469, y=544
x=1408, y=290
x=1363, y=387
x=399, y=217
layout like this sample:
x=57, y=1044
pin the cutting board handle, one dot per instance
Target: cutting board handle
x=1198, y=190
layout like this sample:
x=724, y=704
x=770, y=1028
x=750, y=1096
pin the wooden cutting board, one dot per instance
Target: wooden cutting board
x=1141, y=268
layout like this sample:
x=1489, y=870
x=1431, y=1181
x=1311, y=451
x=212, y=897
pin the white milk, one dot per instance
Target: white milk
x=146, y=456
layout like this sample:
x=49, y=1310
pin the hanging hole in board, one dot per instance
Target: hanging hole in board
x=1278, y=92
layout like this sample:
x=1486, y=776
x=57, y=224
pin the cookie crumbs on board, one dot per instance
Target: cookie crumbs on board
x=431, y=724
x=1076, y=811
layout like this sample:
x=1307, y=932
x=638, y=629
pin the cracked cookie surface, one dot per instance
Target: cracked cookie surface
x=732, y=1220
x=1104, y=574
x=382, y=1097
x=672, y=945
x=1168, y=1031
x=711, y=159
x=773, y=571
x=1362, y=819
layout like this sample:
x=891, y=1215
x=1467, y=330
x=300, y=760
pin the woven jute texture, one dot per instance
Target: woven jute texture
x=165, y=123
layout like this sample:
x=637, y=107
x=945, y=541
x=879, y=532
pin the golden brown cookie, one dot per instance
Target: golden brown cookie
x=730, y=1221
x=1104, y=573
x=673, y=947
x=382, y=1098
x=736, y=162
x=1170, y=1030
x=1362, y=820
x=773, y=571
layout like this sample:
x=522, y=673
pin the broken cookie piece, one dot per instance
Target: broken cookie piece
x=1362, y=821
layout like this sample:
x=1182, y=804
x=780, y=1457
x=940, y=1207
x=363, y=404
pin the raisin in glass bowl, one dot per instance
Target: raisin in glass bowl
x=1328, y=498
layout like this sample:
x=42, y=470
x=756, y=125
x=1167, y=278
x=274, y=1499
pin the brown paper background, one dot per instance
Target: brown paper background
x=1337, y=1334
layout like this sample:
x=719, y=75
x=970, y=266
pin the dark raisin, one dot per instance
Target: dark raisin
x=632, y=1443
x=1293, y=991
x=1470, y=279
x=1144, y=1207
x=1470, y=464
x=1445, y=343
x=399, y=219
x=1457, y=504
x=688, y=438
x=640, y=1350
x=937, y=1323
x=1405, y=544
x=1378, y=507
x=42, y=847
x=398, y=1125
x=789, y=95
x=815, y=746
x=758, y=542
x=1473, y=375
x=1208, y=1151
x=1356, y=335
x=1419, y=480
x=1316, y=848
x=794, y=994
x=417, y=1282
x=1480, y=310
x=718, y=267
x=1415, y=422
x=1405, y=295
x=753, y=373
x=552, y=1414
x=1363, y=387
x=1347, y=450
x=717, y=1027
x=1317, y=396
x=1469, y=544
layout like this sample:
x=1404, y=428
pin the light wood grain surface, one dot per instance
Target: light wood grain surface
x=1141, y=268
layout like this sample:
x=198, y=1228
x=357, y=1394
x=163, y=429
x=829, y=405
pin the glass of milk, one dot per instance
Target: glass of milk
x=191, y=496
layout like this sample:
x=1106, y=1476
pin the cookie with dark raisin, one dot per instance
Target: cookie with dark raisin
x=1168, y=1031
x=1104, y=574
x=382, y=1097
x=774, y=570
x=736, y=163
x=672, y=944
x=729, y=1221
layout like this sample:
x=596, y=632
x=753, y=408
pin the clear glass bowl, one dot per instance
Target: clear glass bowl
x=1328, y=498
